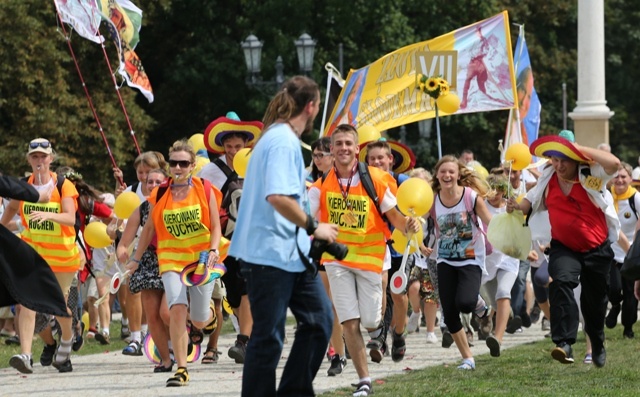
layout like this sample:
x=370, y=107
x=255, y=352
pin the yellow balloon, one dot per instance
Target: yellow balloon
x=367, y=133
x=479, y=169
x=241, y=161
x=197, y=142
x=85, y=320
x=415, y=197
x=400, y=241
x=519, y=155
x=223, y=247
x=200, y=162
x=95, y=234
x=449, y=103
x=125, y=204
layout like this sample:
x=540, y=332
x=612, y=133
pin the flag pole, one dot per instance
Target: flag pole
x=117, y=88
x=438, y=131
x=331, y=70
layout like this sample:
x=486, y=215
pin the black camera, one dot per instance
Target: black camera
x=319, y=247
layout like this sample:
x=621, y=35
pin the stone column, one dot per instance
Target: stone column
x=591, y=115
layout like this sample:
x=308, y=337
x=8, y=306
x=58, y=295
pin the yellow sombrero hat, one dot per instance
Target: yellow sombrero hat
x=231, y=124
x=403, y=157
x=557, y=146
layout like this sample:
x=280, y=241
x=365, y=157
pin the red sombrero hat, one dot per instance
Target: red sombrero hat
x=403, y=157
x=223, y=126
x=557, y=146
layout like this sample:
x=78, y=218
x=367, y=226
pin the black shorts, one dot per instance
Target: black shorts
x=233, y=281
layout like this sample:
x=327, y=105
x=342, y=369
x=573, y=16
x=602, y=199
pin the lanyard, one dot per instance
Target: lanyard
x=345, y=192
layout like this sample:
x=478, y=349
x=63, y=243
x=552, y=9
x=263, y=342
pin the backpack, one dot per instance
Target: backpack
x=632, y=204
x=231, y=193
x=469, y=205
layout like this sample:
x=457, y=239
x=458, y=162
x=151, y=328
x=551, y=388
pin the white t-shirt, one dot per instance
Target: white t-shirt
x=628, y=222
x=460, y=243
x=213, y=173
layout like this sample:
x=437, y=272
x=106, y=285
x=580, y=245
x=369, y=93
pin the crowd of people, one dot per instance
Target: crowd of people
x=318, y=241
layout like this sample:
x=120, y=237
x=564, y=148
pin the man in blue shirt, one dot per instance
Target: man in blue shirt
x=271, y=243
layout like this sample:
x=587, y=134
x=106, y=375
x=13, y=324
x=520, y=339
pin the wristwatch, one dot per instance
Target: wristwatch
x=311, y=226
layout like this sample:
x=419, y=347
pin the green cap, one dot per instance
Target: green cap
x=568, y=135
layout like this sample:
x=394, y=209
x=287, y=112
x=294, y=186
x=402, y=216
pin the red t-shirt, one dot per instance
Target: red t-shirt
x=575, y=221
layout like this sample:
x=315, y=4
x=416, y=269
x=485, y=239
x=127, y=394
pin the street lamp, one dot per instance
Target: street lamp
x=252, y=48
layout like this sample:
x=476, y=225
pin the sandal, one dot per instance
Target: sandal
x=180, y=378
x=195, y=335
x=210, y=359
x=133, y=349
x=161, y=368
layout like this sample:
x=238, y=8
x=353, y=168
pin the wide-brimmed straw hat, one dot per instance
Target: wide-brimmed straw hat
x=557, y=146
x=230, y=124
x=403, y=157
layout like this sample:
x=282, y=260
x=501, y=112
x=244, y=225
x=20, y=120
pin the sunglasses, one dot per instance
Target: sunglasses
x=320, y=156
x=181, y=163
x=43, y=144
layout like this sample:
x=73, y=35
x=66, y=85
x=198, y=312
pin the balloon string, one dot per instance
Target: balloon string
x=117, y=88
x=86, y=92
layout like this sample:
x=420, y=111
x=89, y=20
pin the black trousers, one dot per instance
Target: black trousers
x=621, y=292
x=568, y=268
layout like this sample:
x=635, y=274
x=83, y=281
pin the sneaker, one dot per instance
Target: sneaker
x=103, y=338
x=337, y=365
x=494, y=346
x=526, y=319
x=467, y=365
x=612, y=318
x=485, y=327
x=133, y=349
x=535, y=313
x=22, y=363
x=398, y=347
x=376, y=351
x=363, y=389
x=563, y=353
x=65, y=366
x=546, y=325
x=124, y=332
x=238, y=351
x=588, y=359
x=46, y=358
x=628, y=334
x=432, y=338
x=513, y=325
x=180, y=378
x=78, y=340
x=12, y=340
x=413, y=325
x=447, y=339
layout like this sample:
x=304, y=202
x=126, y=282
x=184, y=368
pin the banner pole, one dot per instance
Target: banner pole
x=438, y=131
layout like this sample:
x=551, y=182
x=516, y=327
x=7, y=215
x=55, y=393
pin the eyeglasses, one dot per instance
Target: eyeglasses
x=320, y=156
x=42, y=144
x=181, y=163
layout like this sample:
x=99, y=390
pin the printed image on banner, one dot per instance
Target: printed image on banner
x=83, y=15
x=384, y=93
x=529, y=106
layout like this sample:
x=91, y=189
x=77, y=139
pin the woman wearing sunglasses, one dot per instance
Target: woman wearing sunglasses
x=184, y=218
x=49, y=229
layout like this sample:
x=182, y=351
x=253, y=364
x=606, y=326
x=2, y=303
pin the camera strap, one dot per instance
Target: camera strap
x=310, y=265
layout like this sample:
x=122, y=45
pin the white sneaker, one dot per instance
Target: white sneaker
x=432, y=338
x=413, y=323
x=22, y=363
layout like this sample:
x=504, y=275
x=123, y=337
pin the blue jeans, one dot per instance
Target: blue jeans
x=517, y=292
x=271, y=291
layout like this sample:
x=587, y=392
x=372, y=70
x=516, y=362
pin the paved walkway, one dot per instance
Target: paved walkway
x=112, y=374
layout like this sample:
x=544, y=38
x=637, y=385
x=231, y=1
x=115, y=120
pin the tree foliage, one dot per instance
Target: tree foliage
x=191, y=52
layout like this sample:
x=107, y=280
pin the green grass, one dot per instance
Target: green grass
x=524, y=370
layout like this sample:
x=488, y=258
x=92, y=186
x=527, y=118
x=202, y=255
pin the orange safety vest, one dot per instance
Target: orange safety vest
x=182, y=228
x=366, y=236
x=56, y=243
